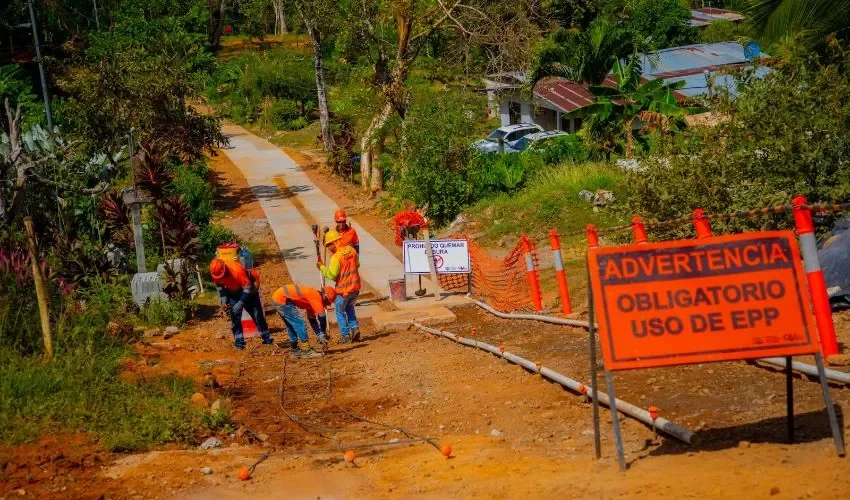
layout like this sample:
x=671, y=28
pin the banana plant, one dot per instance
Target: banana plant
x=633, y=100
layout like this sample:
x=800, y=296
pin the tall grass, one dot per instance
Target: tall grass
x=550, y=200
x=81, y=388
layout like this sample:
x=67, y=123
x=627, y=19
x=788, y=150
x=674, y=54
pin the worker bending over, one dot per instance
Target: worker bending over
x=239, y=289
x=349, y=235
x=343, y=269
x=288, y=299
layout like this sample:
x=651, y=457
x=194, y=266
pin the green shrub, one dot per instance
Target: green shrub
x=193, y=183
x=212, y=236
x=781, y=136
x=162, y=313
x=568, y=148
x=437, y=167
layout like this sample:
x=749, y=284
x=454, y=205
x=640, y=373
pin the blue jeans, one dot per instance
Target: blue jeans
x=345, y=316
x=295, y=326
x=255, y=310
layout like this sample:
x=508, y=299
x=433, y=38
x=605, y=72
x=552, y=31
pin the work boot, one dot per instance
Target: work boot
x=267, y=339
x=344, y=339
x=355, y=334
x=323, y=339
x=307, y=352
x=294, y=351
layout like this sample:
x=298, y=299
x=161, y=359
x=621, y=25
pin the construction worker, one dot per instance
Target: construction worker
x=288, y=299
x=343, y=269
x=239, y=289
x=349, y=235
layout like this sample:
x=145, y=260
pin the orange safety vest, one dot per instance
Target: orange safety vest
x=348, y=279
x=305, y=297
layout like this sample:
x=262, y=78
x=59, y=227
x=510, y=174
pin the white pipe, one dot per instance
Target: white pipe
x=629, y=409
x=533, y=317
x=832, y=375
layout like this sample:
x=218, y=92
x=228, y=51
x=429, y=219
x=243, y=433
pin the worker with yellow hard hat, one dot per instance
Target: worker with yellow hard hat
x=287, y=300
x=239, y=288
x=349, y=235
x=343, y=269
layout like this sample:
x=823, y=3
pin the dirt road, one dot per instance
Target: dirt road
x=512, y=434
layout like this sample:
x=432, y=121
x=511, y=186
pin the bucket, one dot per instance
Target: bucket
x=228, y=252
x=398, y=290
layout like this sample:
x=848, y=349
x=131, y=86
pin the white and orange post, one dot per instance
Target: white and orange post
x=533, y=276
x=557, y=258
x=814, y=275
x=639, y=231
x=701, y=224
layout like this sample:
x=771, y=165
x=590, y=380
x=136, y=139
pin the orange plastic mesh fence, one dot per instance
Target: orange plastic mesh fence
x=503, y=283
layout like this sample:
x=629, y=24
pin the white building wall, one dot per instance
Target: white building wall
x=504, y=113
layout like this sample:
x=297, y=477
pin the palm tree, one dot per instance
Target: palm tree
x=810, y=20
x=653, y=103
x=584, y=56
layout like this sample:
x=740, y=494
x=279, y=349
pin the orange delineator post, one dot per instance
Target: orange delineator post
x=639, y=230
x=814, y=275
x=701, y=224
x=533, y=277
x=592, y=236
x=564, y=290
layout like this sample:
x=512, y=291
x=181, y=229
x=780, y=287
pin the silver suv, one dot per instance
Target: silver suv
x=509, y=134
x=536, y=140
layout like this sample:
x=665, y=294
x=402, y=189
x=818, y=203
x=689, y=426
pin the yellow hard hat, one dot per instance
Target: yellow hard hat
x=331, y=236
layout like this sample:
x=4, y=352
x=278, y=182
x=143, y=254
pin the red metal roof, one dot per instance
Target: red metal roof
x=566, y=95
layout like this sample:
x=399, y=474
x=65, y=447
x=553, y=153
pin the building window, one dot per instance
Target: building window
x=515, y=113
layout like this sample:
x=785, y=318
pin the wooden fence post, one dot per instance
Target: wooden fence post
x=40, y=290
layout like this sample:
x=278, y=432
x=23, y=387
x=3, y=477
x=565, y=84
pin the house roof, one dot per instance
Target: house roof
x=565, y=95
x=705, y=16
x=690, y=63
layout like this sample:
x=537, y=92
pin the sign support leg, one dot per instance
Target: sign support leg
x=594, y=389
x=615, y=420
x=789, y=397
x=830, y=409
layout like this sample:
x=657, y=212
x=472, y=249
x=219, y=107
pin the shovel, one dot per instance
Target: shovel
x=315, y=228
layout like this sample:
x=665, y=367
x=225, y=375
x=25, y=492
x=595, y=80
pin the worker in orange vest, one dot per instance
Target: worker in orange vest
x=343, y=269
x=239, y=288
x=288, y=299
x=349, y=235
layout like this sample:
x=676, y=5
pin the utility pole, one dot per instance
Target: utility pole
x=41, y=68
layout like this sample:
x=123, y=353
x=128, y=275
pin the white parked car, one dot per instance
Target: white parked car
x=510, y=134
x=535, y=140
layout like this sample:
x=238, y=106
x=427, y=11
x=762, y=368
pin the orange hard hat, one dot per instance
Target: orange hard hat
x=339, y=216
x=330, y=293
x=279, y=296
x=217, y=268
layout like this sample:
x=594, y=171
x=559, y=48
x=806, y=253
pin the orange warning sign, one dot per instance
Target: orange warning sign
x=731, y=297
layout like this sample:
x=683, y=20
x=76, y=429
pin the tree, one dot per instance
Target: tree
x=784, y=134
x=318, y=17
x=140, y=74
x=584, y=56
x=279, y=17
x=809, y=20
x=398, y=31
x=660, y=23
x=652, y=103
x=217, y=13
